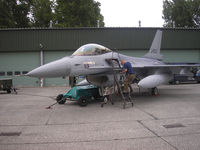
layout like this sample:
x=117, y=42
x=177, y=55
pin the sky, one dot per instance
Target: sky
x=127, y=13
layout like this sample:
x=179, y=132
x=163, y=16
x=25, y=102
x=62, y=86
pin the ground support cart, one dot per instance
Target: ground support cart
x=6, y=85
x=82, y=94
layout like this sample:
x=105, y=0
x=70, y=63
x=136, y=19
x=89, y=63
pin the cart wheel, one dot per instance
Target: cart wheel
x=60, y=99
x=82, y=101
x=8, y=91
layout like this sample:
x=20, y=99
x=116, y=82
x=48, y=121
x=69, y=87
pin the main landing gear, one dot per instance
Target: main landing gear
x=154, y=91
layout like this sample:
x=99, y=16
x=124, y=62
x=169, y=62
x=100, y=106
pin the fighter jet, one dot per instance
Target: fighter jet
x=92, y=61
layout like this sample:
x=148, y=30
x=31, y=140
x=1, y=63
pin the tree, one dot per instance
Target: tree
x=41, y=13
x=196, y=12
x=14, y=13
x=78, y=13
x=21, y=13
x=181, y=13
x=6, y=13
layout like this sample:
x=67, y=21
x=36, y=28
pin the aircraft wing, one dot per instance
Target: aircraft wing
x=173, y=68
x=167, y=65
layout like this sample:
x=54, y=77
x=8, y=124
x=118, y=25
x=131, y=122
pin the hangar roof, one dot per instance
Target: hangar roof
x=35, y=39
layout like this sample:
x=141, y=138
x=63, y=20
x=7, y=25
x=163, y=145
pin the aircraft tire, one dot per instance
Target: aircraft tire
x=177, y=82
x=106, y=99
x=82, y=101
x=154, y=91
x=60, y=99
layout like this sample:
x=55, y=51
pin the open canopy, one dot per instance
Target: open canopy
x=91, y=49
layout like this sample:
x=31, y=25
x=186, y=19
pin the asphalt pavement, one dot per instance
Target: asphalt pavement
x=170, y=121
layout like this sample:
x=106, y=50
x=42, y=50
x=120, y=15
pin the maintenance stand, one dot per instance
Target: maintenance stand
x=116, y=69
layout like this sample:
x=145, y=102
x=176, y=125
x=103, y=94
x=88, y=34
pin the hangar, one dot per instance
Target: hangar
x=22, y=50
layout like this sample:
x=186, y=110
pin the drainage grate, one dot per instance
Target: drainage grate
x=176, y=125
x=10, y=133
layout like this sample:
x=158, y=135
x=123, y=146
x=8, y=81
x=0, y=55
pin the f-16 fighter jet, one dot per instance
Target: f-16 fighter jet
x=91, y=61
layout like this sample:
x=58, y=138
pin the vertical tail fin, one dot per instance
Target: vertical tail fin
x=154, y=51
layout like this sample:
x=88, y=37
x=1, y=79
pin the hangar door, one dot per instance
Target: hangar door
x=14, y=64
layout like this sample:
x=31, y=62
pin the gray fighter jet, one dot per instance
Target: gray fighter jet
x=92, y=61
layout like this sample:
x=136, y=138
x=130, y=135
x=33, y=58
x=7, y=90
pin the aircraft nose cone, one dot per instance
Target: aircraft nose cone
x=58, y=68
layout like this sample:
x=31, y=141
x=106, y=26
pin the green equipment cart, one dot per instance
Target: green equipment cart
x=82, y=94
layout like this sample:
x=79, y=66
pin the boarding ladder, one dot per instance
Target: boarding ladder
x=115, y=71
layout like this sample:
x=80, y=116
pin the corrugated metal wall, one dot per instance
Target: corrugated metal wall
x=119, y=38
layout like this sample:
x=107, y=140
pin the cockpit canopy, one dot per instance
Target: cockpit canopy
x=90, y=50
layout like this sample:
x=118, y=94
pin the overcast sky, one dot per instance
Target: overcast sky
x=127, y=13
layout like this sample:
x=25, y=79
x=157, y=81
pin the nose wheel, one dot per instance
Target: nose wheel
x=107, y=98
